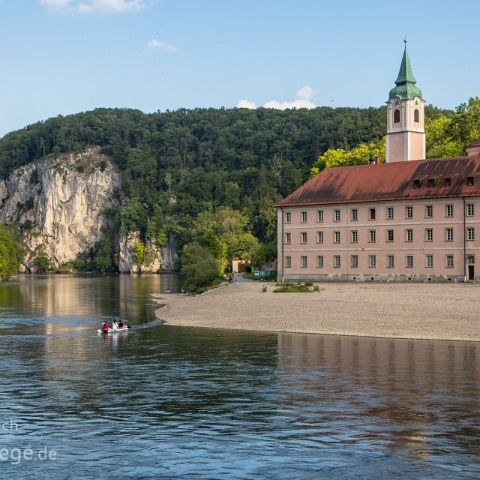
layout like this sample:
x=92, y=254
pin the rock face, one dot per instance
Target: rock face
x=60, y=204
x=157, y=259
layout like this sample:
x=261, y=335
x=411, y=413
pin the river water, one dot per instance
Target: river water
x=167, y=402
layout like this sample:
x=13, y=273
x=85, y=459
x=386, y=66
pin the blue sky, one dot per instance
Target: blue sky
x=66, y=56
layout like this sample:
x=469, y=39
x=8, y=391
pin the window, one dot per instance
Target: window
x=320, y=216
x=304, y=262
x=429, y=234
x=336, y=215
x=354, y=236
x=470, y=233
x=372, y=236
x=354, y=215
x=470, y=181
x=320, y=261
x=303, y=237
x=428, y=211
x=449, y=210
x=288, y=217
x=431, y=182
x=429, y=261
x=408, y=212
x=336, y=237
x=389, y=213
x=396, y=116
x=409, y=235
x=304, y=217
x=288, y=238
x=288, y=262
x=447, y=182
x=389, y=237
x=409, y=261
x=319, y=237
x=336, y=261
x=449, y=261
x=372, y=261
x=416, y=116
x=371, y=214
x=470, y=209
x=390, y=261
x=354, y=261
x=449, y=234
x=417, y=183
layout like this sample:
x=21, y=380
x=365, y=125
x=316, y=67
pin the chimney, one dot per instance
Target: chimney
x=473, y=149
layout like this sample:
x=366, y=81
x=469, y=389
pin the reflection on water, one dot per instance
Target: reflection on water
x=172, y=402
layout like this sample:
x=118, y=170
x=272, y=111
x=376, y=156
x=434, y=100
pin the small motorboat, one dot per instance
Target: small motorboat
x=118, y=330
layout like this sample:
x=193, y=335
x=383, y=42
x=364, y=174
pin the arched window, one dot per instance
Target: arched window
x=396, y=116
x=416, y=115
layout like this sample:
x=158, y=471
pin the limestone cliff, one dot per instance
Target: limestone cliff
x=59, y=203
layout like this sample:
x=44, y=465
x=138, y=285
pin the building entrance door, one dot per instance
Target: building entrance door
x=471, y=267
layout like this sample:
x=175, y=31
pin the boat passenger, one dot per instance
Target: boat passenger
x=122, y=324
x=114, y=325
x=105, y=326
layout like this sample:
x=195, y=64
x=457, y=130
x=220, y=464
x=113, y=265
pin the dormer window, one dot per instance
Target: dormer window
x=470, y=181
x=396, y=116
x=447, y=182
x=417, y=183
x=431, y=182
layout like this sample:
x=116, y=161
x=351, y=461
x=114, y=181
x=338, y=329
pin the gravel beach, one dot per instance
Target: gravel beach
x=420, y=311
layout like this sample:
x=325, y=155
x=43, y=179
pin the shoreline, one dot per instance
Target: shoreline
x=401, y=311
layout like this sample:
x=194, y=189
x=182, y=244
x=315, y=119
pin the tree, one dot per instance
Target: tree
x=11, y=253
x=199, y=267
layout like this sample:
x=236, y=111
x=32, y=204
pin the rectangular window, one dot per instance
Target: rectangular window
x=354, y=261
x=390, y=261
x=371, y=214
x=429, y=234
x=390, y=213
x=470, y=181
x=336, y=215
x=470, y=233
x=449, y=234
x=303, y=262
x=304, y=217
x=319, y=237
x=417, y=184
x=389, y=237
x=336, y=261
x=470, y=209
x=372, y=261
x=447, y=182
x=409, y=235
x=288, y=217
x=429, y=211
x=288, y=262
x=431, y=182
x=449, y=261
x=320, y=216
x=409, y=261
x=288, y=238
x=336, y=237
x=372, y=236
x=354, y=236
x=449, y=210
x=429, y=261
x=354, y=215
x=320, y=261
x=409, y=212
x=303, y=237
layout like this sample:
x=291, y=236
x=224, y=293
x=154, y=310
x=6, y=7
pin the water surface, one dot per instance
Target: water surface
x=176, y=402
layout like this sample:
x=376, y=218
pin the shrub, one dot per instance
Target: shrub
x=199, y=267
x=11, y=252
x=264, y=289
x=293, y=288
x=42, y=263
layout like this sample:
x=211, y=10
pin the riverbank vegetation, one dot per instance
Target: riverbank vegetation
x=296, y=288
x=11, y=252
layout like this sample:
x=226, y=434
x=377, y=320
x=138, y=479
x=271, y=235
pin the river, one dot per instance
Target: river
x=165, y=402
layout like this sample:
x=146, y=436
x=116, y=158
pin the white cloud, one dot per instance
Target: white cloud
x=246, y=104
x=303, y=100
x=154, y=43
x=89, y=7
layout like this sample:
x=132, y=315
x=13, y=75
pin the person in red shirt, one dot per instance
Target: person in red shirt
x=105, y=326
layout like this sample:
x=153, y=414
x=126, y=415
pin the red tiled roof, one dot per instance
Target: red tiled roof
x=391, y=181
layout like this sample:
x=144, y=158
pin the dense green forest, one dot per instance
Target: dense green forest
x=212, y=176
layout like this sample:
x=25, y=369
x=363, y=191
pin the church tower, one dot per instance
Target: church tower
x=405, y=117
